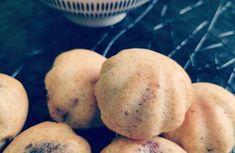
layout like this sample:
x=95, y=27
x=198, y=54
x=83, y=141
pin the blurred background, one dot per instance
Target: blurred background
x=198, y=34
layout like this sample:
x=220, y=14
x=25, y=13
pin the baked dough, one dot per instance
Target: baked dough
x=142, y=93
x=13, y=107
x=156, y=145
x=70, y=87
x=209, y=126
x=48, y=137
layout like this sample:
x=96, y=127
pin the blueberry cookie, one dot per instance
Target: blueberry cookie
x=70, y=86
x=209, y=126
x=142, y=93
x=48, y=137
x=13, y=107
x=155, y=145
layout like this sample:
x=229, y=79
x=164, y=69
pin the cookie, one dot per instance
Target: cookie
x=209, y=126
x=142, y=93
x=48, y=137
x=13, y=107
x=70, y=86
x=155, y=145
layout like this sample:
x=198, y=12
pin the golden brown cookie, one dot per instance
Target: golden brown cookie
x=142, y=93
x=13, y=107
x=70, y=87
x=209, y=126
x=155, y=145
x=48, y=137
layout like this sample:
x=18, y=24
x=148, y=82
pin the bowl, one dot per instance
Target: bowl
x=95, y=13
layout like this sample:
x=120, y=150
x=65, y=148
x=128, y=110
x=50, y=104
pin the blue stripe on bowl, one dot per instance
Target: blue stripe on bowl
x=92, y=10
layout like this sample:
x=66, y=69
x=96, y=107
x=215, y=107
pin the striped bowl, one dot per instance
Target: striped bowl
x=95, y=13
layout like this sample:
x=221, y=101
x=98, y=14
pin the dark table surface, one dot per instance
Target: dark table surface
x=198, y=34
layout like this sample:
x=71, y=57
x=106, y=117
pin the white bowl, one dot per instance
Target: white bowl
x=95, y=13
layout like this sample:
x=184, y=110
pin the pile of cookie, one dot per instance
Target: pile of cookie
x=145, y=97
